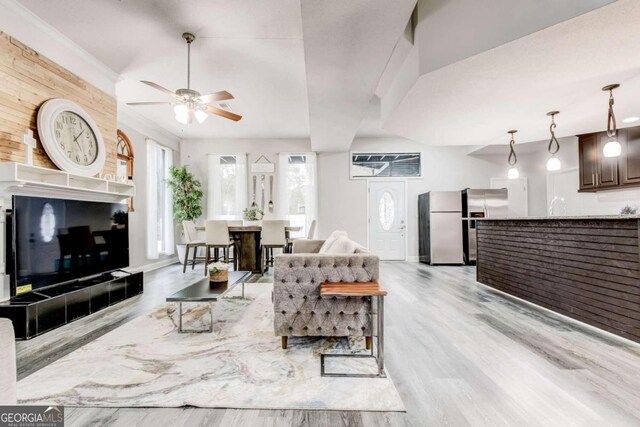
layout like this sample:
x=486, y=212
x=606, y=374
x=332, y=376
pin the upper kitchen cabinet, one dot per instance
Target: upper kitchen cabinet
x=630, y=159
x=588, y=156
x=601, y=173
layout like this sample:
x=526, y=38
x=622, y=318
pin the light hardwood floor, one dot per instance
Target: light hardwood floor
x=459, y=353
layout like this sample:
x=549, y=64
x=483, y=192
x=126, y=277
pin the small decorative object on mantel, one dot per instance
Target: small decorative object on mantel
x=218, y=272
x=263, y=165
x=252, y=216
x=29, y=144
x=628, y=210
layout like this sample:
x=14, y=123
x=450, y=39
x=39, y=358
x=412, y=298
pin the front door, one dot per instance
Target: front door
x=387, y=219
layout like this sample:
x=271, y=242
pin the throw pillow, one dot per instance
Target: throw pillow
x=343, y=245
x=331, y=240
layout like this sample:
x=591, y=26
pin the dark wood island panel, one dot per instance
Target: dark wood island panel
x=584, y=268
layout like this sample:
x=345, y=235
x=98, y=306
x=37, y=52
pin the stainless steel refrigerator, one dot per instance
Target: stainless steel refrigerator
x=439, y=219
x=480, y=203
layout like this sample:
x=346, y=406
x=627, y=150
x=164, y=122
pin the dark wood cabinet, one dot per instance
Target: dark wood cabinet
x=607, y=167
x=601, y=173
x=588, y=155
x=630, y=160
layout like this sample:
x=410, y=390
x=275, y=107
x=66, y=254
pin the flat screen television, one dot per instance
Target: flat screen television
x=57, y=241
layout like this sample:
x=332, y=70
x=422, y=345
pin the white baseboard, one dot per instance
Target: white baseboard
x=154, y=265
x=413, y=258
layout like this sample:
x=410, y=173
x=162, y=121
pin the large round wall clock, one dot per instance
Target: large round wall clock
x=71, y=137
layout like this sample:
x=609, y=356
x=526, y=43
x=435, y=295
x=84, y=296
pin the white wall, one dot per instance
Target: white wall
x=343, y=202
x=138, y=130
x=193, y=154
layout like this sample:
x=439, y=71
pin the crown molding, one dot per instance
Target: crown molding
x=27, y=27
x=150, y=129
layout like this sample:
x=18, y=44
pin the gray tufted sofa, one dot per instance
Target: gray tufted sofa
x=299, y=308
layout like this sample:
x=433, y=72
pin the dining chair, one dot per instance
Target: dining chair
x=273, y=237
x=234, y=257
x=216, y=238
x=310, y=235
x=191, y=237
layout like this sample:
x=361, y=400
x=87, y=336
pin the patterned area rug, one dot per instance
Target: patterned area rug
x=147, y=363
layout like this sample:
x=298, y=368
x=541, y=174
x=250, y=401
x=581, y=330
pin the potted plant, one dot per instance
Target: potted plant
x=252, y=216
x=218, y=272
x=187, y=198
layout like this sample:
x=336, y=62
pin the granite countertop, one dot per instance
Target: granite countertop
x=555, y=218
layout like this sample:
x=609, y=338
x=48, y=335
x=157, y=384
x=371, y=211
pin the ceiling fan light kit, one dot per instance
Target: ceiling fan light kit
x=188, y=103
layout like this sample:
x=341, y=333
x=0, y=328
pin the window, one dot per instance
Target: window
x=368, y=165
x=160, y=225
x=227, y=187
x=386, y=211
x=297, y=190
x=124, y=165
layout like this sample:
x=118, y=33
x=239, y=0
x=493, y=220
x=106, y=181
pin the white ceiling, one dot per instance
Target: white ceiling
x=251, y=48
x=347, y=45
x=563, y=67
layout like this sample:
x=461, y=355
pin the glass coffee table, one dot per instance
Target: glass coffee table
x=208, y=292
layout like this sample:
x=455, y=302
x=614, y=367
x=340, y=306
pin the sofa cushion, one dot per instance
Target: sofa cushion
x=331, y=240
x=342, y=245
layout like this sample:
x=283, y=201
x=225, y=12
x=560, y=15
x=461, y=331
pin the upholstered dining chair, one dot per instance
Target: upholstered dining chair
x=191, y=237
x=234, y=253
x=310, y=236
x=274, y=236
x=216, y=238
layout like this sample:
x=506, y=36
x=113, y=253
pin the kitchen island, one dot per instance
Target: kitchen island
x=586, y=268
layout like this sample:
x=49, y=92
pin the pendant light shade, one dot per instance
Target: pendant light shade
x=612, y=148
x=553, y=164
x=513, y=159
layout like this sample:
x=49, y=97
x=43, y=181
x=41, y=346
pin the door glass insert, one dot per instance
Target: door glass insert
x=386, y=211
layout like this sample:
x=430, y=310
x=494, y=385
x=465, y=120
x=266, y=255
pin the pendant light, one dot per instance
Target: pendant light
x=553, y=164
x=513, y=159
x=612, y=148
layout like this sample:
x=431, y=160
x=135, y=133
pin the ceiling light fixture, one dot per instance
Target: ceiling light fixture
x=553, y=164
x=631, y=119
x=513, y=159
x=612, y=148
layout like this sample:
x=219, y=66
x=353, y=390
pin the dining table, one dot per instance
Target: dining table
x=247, y=251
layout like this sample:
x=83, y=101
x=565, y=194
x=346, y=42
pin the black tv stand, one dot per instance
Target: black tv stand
x=42, y=310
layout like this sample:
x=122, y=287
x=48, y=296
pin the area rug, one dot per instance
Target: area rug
x=147, y=363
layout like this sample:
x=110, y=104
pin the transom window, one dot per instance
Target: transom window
x=368, y=165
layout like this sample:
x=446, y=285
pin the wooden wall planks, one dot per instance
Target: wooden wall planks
x=27, y=80
x=585, y=269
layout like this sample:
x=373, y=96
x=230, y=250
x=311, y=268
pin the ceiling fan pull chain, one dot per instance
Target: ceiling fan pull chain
x=611, y=120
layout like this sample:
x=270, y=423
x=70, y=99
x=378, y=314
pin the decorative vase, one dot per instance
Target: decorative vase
x=219, y=276
x=248, y=223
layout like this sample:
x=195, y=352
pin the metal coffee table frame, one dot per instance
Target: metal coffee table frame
x=210, y=299
x=378, y=355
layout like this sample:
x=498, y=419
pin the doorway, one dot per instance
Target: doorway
x=387, y=222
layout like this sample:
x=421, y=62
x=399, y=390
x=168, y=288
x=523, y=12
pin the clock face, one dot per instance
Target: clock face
x=75, y=138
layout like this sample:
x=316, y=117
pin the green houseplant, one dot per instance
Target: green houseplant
x=187, y=199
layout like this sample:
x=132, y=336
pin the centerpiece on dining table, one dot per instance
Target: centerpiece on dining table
x=252, y=216
x=218, y=272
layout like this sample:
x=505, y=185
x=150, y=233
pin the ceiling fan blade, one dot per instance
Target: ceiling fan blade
x=220, y=112
x=213, y=97
x=149, y=103
x=160, y=88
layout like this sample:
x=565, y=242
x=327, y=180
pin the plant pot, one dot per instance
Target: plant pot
x=219, y=276
x=182, y=251
x=248, y=223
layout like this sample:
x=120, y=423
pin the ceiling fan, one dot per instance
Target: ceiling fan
x=189, y=103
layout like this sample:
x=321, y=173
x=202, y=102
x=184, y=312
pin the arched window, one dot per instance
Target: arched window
x=124, y=167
